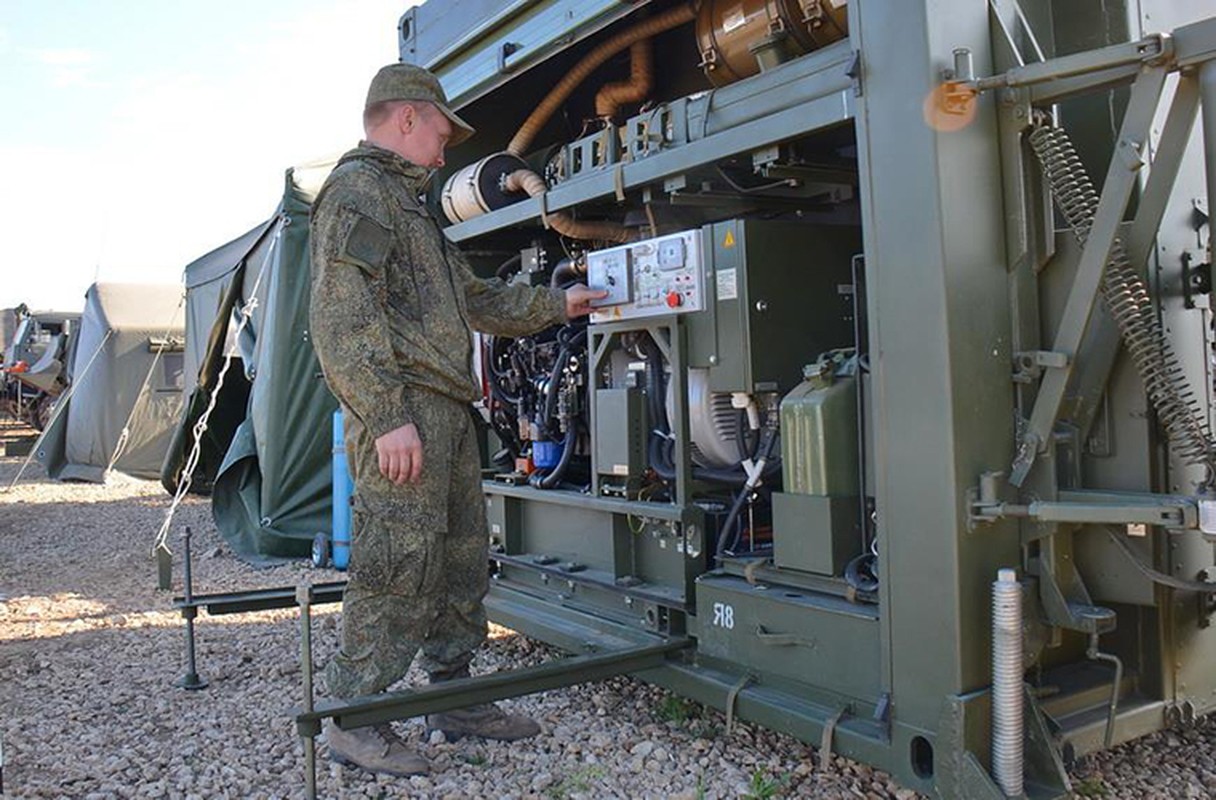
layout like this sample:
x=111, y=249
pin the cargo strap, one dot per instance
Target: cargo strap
x=749, y=572
x=732, y=696
x=829, y=731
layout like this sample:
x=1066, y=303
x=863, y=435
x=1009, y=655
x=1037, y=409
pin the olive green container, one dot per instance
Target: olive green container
x=816, y=525
x=819, y=436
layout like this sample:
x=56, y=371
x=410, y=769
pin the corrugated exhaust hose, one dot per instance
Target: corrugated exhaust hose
x=672, y=18
x=611, y=96
x=528, y=181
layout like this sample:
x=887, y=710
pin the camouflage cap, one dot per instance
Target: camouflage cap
x=411, y=82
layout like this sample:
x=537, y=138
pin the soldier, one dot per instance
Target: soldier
x=392, y=307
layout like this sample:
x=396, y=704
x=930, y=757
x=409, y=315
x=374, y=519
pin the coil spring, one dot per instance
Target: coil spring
x=1127, y=298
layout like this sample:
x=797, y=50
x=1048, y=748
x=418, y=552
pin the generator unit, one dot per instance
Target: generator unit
x=898, y=409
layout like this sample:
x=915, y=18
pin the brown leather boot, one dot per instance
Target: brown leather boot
x=487, y=721
x=375, y=749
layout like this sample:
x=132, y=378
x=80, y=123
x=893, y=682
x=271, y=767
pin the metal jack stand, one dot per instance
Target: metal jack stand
x=359, y=712
x=191, y=680
x=311, y=728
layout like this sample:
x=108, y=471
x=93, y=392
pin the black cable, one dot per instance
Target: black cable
x=786, y=183
x=766, y=449
x=730, y=523
x=510, y=265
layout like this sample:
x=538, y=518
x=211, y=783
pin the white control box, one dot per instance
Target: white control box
x=651, y=278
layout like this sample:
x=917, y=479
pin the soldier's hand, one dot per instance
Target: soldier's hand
x=578, y=300
x=400, y=454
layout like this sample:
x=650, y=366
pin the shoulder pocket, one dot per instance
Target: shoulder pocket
x=367, y=243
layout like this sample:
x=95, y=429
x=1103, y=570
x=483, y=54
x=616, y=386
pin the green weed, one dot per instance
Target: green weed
x=578, y=781
x=763, y=786
x=675, y=709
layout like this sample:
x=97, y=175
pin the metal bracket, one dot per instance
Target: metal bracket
x=507, y=50
x=1196, y=280
x=855, y=72
x=1199, y=213
x=1029, y=365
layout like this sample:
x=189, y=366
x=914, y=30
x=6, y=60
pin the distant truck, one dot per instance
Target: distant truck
x=34, y=361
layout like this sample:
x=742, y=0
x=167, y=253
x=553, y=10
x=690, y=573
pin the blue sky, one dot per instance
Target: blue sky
x=135, y=135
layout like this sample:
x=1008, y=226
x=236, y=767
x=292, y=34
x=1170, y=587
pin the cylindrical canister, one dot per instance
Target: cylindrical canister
x=736, y=37
x=343, y=490
x=478, y=187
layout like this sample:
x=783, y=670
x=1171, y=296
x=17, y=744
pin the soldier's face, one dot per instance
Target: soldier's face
x=431, y=132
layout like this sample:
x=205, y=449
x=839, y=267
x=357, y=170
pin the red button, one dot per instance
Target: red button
x=674, y=300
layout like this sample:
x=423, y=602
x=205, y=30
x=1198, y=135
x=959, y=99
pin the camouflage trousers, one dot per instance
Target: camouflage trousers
x=419, y=556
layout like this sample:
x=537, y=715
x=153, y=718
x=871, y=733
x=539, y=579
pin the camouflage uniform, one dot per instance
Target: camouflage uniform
x=392, y=307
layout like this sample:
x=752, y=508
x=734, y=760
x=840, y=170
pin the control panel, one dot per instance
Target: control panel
x=664, y=275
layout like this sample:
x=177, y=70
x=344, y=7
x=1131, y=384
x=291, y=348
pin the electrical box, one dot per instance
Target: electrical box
x=652, y=278
x=780, y=293
x=620, y=427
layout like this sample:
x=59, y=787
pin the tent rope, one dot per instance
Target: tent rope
x=60, y=405
x=200, y=426
x=125, y=436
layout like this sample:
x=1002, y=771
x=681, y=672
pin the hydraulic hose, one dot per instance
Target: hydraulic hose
x=525, y=180
x=672, y=18
x=1127, y=298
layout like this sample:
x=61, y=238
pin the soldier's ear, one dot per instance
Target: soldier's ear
x=407, y=117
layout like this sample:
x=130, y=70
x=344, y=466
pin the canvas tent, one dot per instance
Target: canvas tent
x=124, y=385
x=265, y=456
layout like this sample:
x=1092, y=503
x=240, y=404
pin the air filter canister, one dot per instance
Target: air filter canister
x=735, y=36
x=478, y=188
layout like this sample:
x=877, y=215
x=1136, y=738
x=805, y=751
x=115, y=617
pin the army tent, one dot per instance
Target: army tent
x=265, y=453
x=124, y=385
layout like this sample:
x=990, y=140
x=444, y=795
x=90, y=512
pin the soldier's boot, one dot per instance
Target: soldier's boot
x=486, y=720
x=375, y=749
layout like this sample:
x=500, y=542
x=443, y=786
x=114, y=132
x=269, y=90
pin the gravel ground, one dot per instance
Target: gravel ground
x=89, y=647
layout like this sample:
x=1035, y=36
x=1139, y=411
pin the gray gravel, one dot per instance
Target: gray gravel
x=89, y=647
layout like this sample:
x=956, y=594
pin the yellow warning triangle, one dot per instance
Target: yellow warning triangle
x=729, y=241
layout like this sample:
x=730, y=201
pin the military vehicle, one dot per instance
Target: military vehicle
x=894, y=431
x=33, y=367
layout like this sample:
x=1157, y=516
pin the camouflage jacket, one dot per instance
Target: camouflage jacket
x=393, y=302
